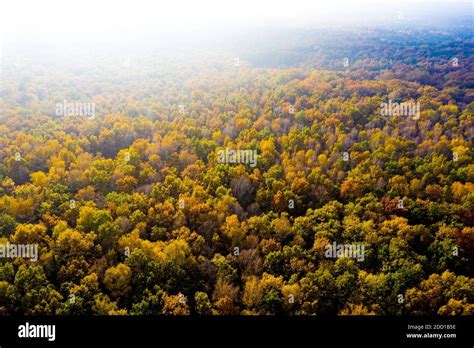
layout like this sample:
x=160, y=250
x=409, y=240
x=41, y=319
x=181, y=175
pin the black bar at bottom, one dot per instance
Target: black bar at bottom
x=243, y=330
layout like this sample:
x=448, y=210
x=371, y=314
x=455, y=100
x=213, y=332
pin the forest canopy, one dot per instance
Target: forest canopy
x=216, y=183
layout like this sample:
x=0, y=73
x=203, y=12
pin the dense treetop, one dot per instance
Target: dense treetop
x=133, y=213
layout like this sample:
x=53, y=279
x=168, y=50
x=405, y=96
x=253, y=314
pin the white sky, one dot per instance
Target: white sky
x=96, y=15
x=63, y=20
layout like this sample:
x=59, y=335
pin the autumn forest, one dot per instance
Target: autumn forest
x=324, y=173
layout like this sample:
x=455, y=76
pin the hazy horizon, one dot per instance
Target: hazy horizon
x=121, y=23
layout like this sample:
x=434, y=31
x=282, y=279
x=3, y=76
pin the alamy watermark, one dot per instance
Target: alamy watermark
x=354, y=251
x=237, y=156
x=37, y=331
x=66, y=108
x=26, y=251
x=401, y=109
